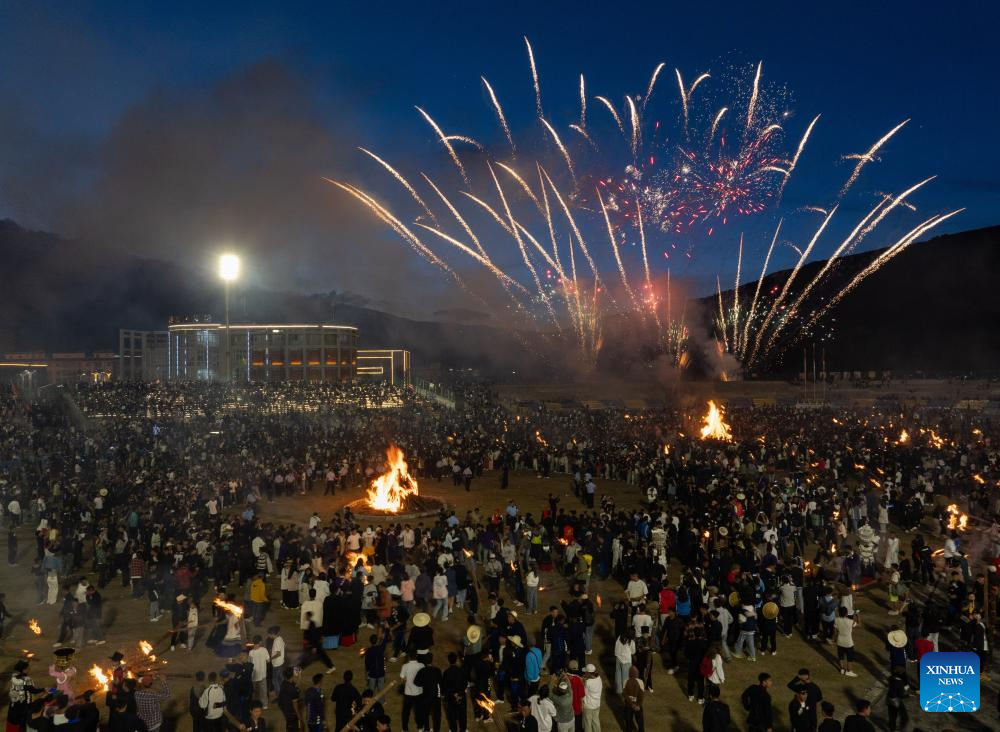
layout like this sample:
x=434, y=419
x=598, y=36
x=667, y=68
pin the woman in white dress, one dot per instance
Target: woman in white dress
x=52, y=582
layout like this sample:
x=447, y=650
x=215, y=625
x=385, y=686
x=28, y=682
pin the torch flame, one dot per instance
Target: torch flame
x=34, y=627
x=146, y=647
x=486, y=703
x=100, y=677
x=979, y=479
x=390, y=490
x=715, y=428
x=904, y=437
x=229, y=607
x=957, y=519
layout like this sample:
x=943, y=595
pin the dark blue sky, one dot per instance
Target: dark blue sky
x=72, y=72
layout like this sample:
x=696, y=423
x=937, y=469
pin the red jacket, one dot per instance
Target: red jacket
x=576, y=684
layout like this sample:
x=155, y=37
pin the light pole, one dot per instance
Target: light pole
x=229, y=270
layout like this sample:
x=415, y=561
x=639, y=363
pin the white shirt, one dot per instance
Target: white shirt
x=259, y=658
x=408, y=673
x=316, y=608
x=209, y=698
x=636, y=589
x=544, y=711
x=592, y=689
x=278, y=652
x=624, y=651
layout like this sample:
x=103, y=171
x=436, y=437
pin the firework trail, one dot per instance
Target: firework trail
x=798, y=153
x=635, y=126
x=652, y=83
x=865, y=158
x=715, y=123
x=448, y=146
x=722, y=314
x=752, y=107
x=521, y=182
x=736, y=297
x=534, y=78
x=614, y=113
x=500, y=115
x=583, y=105
x=897, y=248
x=405, y=183
x=760, y=282
x=562, y=148
x=583, y=133
x=618, y=256
x=788, y=284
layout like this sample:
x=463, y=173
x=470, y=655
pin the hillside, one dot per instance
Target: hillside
x=934, y=308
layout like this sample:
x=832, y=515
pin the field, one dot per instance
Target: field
x=126, y=624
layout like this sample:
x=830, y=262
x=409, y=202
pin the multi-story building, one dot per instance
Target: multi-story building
x=142, y=355
x=196, y=349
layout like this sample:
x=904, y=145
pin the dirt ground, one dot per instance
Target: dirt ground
x=127, y=623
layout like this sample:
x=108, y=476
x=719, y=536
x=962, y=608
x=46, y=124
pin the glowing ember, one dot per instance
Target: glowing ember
x=486, y=703
x=715, y=428
x=229, y=607
x=34, y=627
x=390, y=490
x=957, y=519
x=103, y=682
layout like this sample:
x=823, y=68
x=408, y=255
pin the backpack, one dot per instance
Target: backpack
x=706, y=667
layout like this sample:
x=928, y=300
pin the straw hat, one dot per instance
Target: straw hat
x=770, y=610
x=473, y=633
x=734, y=598
x=897, y=638
x=723, y=531
x=421, y=619
x=516, y=640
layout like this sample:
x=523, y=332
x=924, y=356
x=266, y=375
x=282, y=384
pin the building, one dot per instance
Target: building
x=261, y=352
x=384, y=364
x=142, y=355
x=32, y=370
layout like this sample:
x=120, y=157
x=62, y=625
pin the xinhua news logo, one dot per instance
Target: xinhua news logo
x=949, y=682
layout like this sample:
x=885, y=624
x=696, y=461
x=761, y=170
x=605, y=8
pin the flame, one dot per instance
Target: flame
x=352, y=561
x=666, y=449
x=904, y=437
x=229, y=607
x=707, y=534
x=389, y=490
x=715, y=428
x=541, y=588
x=486, y=703
x=102, y=679
x=34, y=627
x=27, y=653
x=600, y=602
x=563, y=541
x=957, y=519
x=833, y=548
x=466, y=552
x=146, y=647
x=541, y=440
x=979, y=479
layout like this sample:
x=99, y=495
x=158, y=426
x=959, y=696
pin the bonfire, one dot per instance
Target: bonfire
x=715, y=428
x=390, y=490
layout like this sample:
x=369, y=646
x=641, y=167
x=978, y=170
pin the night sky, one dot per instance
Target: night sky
x=170, y=130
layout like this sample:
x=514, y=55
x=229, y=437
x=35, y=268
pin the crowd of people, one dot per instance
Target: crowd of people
x=725, y=546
